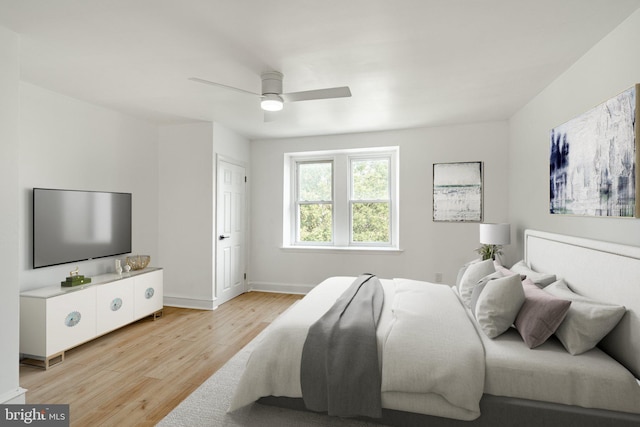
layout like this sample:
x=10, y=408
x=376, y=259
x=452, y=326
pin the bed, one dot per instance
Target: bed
x=446, y=362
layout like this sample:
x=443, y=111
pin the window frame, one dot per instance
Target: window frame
x=342, y=192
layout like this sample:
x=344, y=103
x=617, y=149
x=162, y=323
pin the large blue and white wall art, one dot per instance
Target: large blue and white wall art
x=593, y=161
x=457, y=192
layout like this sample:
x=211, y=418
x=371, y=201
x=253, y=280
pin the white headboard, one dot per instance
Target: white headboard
x=603, y=271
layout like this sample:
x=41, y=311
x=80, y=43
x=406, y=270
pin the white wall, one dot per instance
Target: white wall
x=187, y=164
x=609, y=68
x=428, y=247
x=9, y=217
x=231, y=145
x=66, y=143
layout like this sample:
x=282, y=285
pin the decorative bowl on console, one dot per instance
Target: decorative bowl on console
x=138, y=262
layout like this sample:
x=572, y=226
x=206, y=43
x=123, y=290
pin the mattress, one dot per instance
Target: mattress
x=549, y=373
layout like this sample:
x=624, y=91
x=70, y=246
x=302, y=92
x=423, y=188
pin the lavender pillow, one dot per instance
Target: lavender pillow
x=540, y=315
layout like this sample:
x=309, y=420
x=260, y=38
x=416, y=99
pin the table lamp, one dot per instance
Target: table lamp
x=492, y=238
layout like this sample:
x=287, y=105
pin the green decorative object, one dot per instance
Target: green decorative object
x=489, y=251
x=75, y=279
x=76, y=282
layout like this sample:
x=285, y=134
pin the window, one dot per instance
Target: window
x=369, y=201
x=314, y=201
x=342, y=199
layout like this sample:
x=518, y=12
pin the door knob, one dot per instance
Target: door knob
x=224, y=236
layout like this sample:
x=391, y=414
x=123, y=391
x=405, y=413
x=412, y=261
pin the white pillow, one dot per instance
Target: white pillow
x=540, y=279
x=586, y=322
x=462, y=271
x=477, y=290
x=498, y=304
x=471, y=276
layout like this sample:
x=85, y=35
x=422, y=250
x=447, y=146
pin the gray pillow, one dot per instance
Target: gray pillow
x=471, y=276
x=540, y=279
x=498, y=304
x=586, y=322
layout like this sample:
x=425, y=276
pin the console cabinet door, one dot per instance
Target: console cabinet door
x=114, y=305
x=148, y=294
x=71, y=320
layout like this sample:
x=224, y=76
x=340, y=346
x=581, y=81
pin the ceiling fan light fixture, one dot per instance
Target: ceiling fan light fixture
x=271, y=102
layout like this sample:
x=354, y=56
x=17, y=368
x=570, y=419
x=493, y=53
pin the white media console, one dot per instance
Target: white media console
x=56, y=318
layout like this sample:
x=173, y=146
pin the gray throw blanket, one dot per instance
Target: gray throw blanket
x=340, y=373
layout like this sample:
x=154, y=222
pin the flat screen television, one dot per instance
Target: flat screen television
x=71, y=225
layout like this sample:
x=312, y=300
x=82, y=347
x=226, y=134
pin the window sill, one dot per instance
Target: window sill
x=343, y=250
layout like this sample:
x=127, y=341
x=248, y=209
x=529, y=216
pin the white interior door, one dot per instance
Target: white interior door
x=230, y=251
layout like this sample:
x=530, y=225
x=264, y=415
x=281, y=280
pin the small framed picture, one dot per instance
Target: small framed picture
x=457, y=192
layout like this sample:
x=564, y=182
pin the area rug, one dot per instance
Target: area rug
x=207, y=406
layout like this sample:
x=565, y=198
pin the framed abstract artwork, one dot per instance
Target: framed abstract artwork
x=593, y=158
x=457, y=192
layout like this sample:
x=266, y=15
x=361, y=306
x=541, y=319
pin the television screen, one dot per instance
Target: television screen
x=71, y=226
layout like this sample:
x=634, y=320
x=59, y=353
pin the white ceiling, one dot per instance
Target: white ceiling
x=409, y=63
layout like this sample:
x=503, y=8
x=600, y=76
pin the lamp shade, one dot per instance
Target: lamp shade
x=495, y=234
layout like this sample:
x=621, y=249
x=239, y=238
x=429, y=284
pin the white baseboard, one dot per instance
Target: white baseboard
x=281, y=288
x=198, y=304
x=13, y=397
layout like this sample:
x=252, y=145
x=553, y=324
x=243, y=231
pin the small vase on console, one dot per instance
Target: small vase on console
x=118, y=267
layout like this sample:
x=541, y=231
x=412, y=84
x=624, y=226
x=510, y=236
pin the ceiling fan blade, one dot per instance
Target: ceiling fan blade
x=270, y=116
x=207, y=82
x=334, y=92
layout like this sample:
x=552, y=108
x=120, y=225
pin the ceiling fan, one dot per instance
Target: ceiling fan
x=272, y=98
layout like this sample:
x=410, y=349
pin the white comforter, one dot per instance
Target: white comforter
x=432, y=358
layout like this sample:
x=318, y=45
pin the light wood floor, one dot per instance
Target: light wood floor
x=136, y=375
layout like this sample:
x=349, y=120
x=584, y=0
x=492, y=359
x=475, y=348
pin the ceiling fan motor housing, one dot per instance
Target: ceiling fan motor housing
x=271, y=83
